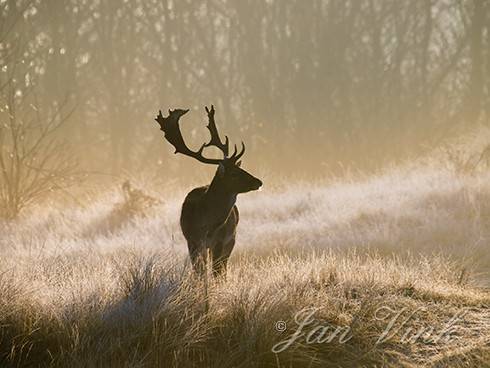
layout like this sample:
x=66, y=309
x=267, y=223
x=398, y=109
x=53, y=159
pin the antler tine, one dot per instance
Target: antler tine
x=213, y=130
x=170, y=126
x=239, y=156
x=235, y=157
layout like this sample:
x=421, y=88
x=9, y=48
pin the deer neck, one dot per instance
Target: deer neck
x=220, y=201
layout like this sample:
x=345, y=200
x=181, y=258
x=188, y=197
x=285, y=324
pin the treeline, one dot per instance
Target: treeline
x=307, y=84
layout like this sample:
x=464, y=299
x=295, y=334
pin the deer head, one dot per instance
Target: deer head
x=229, y=176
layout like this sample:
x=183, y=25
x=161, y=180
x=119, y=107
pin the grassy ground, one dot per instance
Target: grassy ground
x=385, y=271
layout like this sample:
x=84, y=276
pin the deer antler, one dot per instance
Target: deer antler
x=235, y=157
x=215, y=139
x=170, y=126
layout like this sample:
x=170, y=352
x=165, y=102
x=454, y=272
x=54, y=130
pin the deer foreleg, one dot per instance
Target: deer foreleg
x=198, y=256
x=220, y=259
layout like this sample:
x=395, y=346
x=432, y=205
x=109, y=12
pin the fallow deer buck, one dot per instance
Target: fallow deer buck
x=209, y=216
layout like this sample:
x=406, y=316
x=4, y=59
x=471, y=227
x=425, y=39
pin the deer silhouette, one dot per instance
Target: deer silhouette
x=209, y=215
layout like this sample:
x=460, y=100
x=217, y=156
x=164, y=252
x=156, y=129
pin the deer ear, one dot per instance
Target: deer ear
x=221, y=170
x=239, y=163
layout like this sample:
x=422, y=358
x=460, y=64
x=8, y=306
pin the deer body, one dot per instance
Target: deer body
x=209, y=224
x=209, y=216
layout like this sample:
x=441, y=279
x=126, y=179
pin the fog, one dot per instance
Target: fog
x=312, y=88
x=367, y=121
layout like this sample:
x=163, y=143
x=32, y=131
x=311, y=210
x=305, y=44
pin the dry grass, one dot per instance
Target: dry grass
x=134, y=309
x=417, y=238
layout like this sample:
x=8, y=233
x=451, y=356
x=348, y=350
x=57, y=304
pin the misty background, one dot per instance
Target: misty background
x=311, y=87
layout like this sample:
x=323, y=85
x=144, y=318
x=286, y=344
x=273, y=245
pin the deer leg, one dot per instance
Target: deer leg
x=198, y=257
x=221, y=260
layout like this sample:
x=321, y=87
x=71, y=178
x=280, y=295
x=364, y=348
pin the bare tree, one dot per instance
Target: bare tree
x=33, y=160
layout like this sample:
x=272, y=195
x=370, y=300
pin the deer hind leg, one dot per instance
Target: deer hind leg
x=220, y=257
